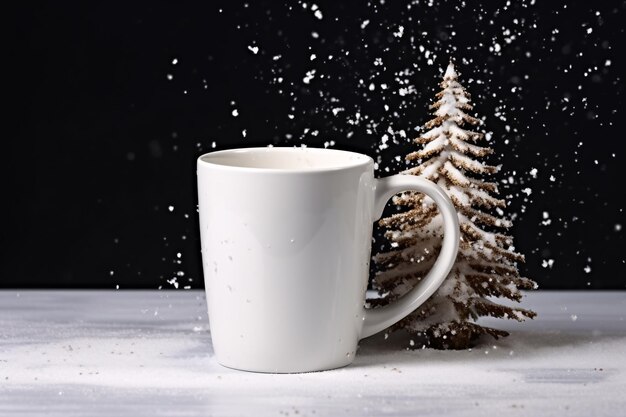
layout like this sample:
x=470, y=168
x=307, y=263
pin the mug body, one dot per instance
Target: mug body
x=286, y=239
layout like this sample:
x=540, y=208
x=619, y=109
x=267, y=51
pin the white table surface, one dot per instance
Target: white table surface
x=147, y=353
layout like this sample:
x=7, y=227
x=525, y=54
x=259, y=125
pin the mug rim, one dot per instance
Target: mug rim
x=353, y=159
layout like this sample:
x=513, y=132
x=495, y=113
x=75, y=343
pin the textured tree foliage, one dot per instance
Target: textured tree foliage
x=486, y=265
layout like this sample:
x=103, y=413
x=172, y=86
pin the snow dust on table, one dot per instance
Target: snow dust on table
x=149, y=353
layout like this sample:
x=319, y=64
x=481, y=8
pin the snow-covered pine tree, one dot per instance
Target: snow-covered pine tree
x=486, y=265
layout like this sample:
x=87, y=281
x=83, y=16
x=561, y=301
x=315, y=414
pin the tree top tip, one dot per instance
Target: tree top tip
x=450, y=71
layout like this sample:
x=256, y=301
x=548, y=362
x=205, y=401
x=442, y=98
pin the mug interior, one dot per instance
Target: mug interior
x=286, y=159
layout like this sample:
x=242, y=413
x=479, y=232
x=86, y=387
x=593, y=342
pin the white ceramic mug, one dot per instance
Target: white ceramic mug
x=286, y=237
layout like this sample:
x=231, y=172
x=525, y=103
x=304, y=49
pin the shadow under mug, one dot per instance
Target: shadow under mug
x=286, y=238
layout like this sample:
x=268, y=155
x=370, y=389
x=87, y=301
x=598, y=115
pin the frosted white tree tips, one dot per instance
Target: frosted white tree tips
x=486, y=266
x=450, y=72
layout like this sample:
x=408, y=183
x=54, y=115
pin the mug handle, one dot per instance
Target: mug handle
x=377, y=319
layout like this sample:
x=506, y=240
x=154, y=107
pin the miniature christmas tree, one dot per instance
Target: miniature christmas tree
x=486, y=265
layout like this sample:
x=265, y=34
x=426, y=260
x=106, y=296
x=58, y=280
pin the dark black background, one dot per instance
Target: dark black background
x=104, y=143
